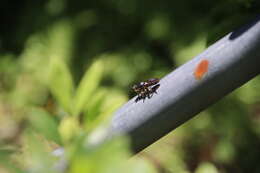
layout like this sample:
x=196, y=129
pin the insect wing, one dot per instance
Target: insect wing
x=146, y=89
x=154, y=88
x=152, y=81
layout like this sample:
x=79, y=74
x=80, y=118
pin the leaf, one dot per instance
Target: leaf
x=36, y=155
x=8, y=166
x=6, y=162
x=42, y=122
x=5, y=153
x=109, y=157
x=87, y=86
x=61, y=84
x=139, y=165
x=206, y=167
x=60, y=39
x=94, y=107
x=112, y=156
x=112, y=100
x=69, y=128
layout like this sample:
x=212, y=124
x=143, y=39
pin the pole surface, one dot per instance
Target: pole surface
x=191, y=88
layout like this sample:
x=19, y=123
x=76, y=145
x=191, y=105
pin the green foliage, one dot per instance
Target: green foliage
x=61, y=84
x=108, y=158
x=37, y=157
x=206, y=168
x=87, y=86
x=42, y=122
x=68, y=128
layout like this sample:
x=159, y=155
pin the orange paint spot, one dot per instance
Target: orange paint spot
x=201, y=69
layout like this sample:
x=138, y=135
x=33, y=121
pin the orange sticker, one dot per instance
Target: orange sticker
x=201, y=69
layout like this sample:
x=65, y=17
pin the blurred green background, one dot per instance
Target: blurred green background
x=65, y=66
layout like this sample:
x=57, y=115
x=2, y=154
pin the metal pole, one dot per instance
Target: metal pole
x=194, y=86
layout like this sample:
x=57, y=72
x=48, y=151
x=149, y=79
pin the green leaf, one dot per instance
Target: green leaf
x=110, y=157
x=87, y=86
x=139, y=165
x=7, y=165
x=6, y=162
x=69, y=128
x=36, y=155
x=112, y=100
x=206, y=167
x=61, y=84
x=5, y=153
x=94, y=107
x=60, y=39
x=42, y=122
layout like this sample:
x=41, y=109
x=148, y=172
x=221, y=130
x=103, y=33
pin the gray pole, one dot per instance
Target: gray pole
x=194, y=86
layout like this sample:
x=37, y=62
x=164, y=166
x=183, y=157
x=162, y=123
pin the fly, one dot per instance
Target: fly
x=146, y=89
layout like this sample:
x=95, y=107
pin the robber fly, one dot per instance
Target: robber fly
x=146, y=89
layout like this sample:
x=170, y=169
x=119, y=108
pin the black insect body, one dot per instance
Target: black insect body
x=146, y=89
x=147, y=93
x=144, y=85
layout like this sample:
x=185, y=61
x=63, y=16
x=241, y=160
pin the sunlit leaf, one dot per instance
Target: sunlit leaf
x=107, y=105
x=94, y=107
x=68, y=128
x=139, y=165
x=224, y=151
x=42, y=122
x=61, y=84
x=5, y=161
x=87, y=86
x=113, y=100
x=36, y=155
x=60, y=39
x=109, y=157
x=206, y=167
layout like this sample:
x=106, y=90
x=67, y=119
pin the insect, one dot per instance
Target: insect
x=146, y=89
